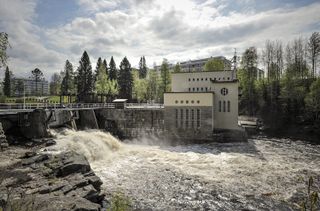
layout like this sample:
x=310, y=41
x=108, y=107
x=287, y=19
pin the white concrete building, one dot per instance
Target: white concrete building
x=208, y=98
x=31, y=87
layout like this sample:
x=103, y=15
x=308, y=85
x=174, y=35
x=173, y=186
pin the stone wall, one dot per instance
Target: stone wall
x=131, y=122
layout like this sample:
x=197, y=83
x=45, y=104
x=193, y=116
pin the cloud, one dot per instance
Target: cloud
x=177, y=30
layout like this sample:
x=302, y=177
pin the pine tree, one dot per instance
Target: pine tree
x=67, y=81
x=113, y=75
x=142, y=68
x=125, y=80
x=105, y=66
x=85, y=79
x=98, y=66
x=7, y=83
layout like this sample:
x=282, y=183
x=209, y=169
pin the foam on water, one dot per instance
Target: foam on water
x=148, y=172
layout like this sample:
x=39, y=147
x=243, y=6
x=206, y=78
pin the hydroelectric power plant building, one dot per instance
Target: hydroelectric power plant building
x=203, y=105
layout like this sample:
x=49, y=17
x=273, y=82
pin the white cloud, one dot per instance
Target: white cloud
x=177, y=30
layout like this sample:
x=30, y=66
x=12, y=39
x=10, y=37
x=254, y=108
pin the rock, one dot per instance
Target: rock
x=35, y=159
x=95, y=181
x=87, y=192
x=74, y=163
x=3, y=141
x=30, y=154
x=50, y=142
x=56, y=203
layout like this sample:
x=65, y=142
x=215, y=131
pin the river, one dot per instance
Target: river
x=261, y=174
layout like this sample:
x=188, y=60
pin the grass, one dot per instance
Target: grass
x=119, y=202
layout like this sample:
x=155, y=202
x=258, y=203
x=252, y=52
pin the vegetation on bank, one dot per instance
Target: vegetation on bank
x=288, y=98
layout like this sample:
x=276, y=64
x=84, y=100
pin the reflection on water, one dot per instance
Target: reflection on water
x=260, y=174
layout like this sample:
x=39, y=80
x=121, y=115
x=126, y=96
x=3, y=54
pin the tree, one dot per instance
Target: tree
x=314, y=50
x=142, y=68
x=247, y=76
x=55, y=84
x=98, y=67
x=7, y=83
x=153, y=82
x=37, y=76
x=67, y=84
x=105, y=66
x=85, y=79
x=177, y=68
x=214, y=64
x=101, y=84
x=113, y=73
x=4, y=44
x=125, y=80
x=165, y=78
x=313, y=100
x=139, y=87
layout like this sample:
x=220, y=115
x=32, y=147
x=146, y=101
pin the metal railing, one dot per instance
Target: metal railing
x=31, y=106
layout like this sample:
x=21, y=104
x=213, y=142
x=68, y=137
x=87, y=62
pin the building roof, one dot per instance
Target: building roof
x=212, y=92
x=120, y=100
x=201, y=72
x=203, y=60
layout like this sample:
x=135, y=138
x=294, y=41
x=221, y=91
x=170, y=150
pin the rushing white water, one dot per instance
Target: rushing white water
x=260, y=174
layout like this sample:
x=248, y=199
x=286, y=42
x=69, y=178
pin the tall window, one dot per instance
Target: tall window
x=228, y=106
x=181, y=117
x=192, y=118
x=177, y=116
x=224, y=106
x=219, y=106
x=198, y=118
x=187, y=118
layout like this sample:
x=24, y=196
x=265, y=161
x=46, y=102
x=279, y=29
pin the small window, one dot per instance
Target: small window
x=201, y=89
x=223, y=78
x=228, y=78
x=224, y=106
x=187, y=101
x=228, y=106
x=193, y=89
x=198, y=101
x=189, y=79
x=219, y=106
x=224, y=91
x=192, y=101
x=197, y=88
x=181, y=101
x=215, y=79
x=193, y=79
x=206, y=88
x=219, y=79
x=201, y=79
x=177, y=101
x=189, y=89
x=206, y=79
x=197, y=79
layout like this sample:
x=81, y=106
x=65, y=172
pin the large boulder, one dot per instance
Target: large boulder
x=73, y=163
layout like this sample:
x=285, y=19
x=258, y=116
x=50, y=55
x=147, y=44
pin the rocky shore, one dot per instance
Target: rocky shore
x=35, y=180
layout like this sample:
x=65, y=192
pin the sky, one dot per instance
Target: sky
x=45, y=33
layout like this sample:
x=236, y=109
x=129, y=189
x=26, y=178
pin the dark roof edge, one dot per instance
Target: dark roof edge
x=187, y=92
x=202, y=71
x=233, y=81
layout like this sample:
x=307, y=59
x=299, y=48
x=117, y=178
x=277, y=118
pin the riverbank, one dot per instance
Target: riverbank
x=35, y=180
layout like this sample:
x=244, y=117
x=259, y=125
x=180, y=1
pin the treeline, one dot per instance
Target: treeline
x=288, y=97
x=107, y=82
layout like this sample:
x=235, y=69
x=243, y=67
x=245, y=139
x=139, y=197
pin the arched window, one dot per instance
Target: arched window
x=228, y=106
x=219, y=106
x=224, y=106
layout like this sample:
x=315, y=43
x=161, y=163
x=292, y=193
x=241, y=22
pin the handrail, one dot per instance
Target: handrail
x=8, y=106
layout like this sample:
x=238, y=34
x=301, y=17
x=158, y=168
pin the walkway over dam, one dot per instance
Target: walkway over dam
x=128, y=119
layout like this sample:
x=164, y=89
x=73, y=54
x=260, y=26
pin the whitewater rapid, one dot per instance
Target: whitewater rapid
x=260, y=174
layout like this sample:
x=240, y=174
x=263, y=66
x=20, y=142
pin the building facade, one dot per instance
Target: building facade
x=198, y=64
x=31, y=87
x=201, y=104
